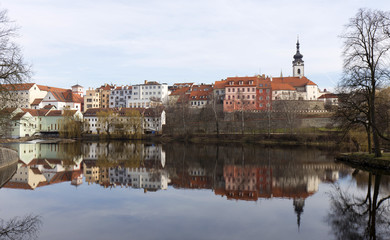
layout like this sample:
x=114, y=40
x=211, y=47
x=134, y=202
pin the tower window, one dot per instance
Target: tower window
x=299, y=71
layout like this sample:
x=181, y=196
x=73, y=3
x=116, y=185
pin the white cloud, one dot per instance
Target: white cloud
x=93, y=42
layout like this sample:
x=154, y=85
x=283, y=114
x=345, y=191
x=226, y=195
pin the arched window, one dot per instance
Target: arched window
x=299, y=71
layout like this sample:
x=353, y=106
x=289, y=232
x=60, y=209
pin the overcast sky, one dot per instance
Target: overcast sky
x=92, y=42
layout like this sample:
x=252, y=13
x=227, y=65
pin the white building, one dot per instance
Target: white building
x=28, y=122
x=297, y=87
x=63, y=100
x=152, y=119
x=148, y=179
x=120, y=95
x=23, y=95
x=149, y=94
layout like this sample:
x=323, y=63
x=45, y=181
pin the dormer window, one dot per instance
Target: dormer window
x=240, y=82
x=231, y=83
x=251, y=82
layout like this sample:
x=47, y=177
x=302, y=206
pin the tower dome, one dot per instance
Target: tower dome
x=298, y=63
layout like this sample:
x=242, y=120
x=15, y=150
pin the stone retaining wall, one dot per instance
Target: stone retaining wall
x=8, y=157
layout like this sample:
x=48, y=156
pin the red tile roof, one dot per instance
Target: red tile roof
x=281, y=86
x=36, y=112
x=180, y=91
x=18, y=116
x=17, y=87
x=37, y=101
x=293, y=81
x=67, y=96
x=50, y=89
x=328, y=95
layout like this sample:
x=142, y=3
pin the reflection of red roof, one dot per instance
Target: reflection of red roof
x=18, y=185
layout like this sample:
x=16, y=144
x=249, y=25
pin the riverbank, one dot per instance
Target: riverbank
x=320, y=139
x=366, y=161
x=35, y=139
x=328, y=140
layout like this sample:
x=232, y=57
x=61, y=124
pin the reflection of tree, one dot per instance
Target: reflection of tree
x=360, y=217
x=20, y=228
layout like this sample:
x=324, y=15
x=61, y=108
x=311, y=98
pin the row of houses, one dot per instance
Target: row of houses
x=24, y=122
x=235, y=93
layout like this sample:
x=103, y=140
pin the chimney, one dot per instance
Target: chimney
x=146, y=81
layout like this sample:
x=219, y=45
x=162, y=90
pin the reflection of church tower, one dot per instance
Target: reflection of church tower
x=298, y=65
x=298, y=208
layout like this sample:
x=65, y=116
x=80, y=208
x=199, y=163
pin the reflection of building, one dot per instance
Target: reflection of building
x=246, y=182
x=148, y=179
x=42, y=172
x=44, y=164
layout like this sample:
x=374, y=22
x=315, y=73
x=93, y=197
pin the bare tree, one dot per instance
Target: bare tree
x=13, y=69
x=27, y=227
x=366, y=46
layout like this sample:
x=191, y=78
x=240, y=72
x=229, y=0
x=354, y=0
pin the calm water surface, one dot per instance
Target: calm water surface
x=123, y=190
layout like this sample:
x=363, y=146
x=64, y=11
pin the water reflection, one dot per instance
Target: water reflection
x=19, y=228
x=234, y=173
x=362, y=216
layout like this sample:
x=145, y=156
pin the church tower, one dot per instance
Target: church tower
x=298, y=66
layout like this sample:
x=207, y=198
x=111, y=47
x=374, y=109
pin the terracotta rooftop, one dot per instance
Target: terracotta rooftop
x=17, y=87
x=37, y=101
x=67, y=96
x=281, y=86
x=180, y=91
x=293, y=81
x=50, y=89
x=328, y=95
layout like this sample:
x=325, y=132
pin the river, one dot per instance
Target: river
x=137, y=190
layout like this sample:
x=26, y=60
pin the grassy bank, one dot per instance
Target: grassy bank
x=366, y=161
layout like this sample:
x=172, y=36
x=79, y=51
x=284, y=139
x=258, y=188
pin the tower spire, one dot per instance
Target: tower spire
x=298, y=63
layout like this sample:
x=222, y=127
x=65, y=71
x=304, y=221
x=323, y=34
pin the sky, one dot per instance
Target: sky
x=124, y=42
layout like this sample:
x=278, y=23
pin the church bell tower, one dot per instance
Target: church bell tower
x=298, y=66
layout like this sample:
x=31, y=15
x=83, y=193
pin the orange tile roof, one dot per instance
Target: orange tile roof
x=180, y=91
x=220, y=84
x=36, y=112
x=281, y=86
x=18, y=116
x=18, y=185
x=8, y=110
x=67, y=96
x=56, y=113
x=106, y=87
x=91, y=112
x=183, y=84
x=37, y=101
x=50, y=89
x=293, y=81
x=328, y=95
x=17, y=87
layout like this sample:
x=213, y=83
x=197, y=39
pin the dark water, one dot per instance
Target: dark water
x=174, y=191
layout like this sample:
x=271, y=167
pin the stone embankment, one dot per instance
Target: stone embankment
x=8, y=164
